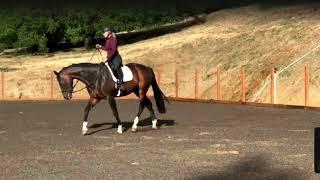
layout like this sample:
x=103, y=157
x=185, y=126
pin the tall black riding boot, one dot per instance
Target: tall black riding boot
x=120, y=80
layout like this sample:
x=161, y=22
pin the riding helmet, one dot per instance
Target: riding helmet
x=107, y=29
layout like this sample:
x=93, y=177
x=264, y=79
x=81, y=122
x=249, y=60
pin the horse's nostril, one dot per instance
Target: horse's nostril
x=67, y=97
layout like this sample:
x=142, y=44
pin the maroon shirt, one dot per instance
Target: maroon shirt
x=111, y=47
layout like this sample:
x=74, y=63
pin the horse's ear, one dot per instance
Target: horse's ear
x=56, y=73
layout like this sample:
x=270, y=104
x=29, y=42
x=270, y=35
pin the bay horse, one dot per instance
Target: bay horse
x=99, y=84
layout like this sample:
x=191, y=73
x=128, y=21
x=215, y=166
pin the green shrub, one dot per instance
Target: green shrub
x=40, y=29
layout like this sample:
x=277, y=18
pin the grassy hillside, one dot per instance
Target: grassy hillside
x=250, y=37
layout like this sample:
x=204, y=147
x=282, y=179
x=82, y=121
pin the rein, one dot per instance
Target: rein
x=72, y=91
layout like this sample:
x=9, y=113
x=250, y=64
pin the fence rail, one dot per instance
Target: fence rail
x=216, y=87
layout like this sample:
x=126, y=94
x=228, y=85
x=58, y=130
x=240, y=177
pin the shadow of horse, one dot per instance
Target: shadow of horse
x=128, y=125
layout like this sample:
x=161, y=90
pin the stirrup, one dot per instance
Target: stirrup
x=120, y=85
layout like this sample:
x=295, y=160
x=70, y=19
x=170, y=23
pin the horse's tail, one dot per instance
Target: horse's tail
x=158, y=96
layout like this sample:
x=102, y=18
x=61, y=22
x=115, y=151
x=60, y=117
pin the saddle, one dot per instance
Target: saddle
x=127, y=74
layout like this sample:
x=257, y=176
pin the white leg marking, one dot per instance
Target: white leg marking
x=135, y=124
x=84, y=128
x=154, y=124
x=119, y=129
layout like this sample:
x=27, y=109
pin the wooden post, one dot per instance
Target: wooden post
x=243, y=90
x=51, y=85
x=218, y=83
x=159, y=76
x=272, y=86
x=196, y=83
x=2, y=85
x=306, y=86
x=177, y=83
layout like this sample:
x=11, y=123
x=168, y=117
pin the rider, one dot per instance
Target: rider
x=113, y=57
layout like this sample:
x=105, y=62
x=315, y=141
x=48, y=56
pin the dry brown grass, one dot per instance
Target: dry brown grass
x=249, y=37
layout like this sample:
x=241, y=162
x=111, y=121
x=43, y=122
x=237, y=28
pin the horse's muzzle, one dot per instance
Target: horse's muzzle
x=68, y=96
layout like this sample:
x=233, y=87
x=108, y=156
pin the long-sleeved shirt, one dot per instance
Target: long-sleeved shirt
x=111, y=47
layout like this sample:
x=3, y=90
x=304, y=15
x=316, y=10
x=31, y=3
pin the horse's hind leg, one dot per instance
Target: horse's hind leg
x=113, y=106
x=141, y=94
x=152, y=115
x=144, y=101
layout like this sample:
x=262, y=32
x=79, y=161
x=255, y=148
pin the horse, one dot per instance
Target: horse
x=100, y=85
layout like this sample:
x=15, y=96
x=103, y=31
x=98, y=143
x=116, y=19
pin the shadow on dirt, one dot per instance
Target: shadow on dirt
x=254, y=168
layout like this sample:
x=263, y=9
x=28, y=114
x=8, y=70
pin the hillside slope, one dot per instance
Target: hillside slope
x=250, y=37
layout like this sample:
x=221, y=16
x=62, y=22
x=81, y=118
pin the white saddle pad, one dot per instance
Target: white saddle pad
x=127, y=74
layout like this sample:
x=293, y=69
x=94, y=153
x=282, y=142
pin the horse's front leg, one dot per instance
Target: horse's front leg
x=113, y=105
x=92, y=102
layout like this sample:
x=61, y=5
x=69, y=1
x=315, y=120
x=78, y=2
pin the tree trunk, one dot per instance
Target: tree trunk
x=88, y=41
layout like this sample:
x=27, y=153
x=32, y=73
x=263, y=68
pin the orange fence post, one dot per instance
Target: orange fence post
x=272, y=86
x=177, y=83
x=243, y=90
x=51, y=85
x=306, y=86
x=196, y=83
x=218, y=83
x=2, y=85
x=159, y=76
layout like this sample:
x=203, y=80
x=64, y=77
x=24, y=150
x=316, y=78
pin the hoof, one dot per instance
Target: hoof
x=84, y=128
x=134, y=129
x=84, y=131
x=119, y=131
x=154, y=124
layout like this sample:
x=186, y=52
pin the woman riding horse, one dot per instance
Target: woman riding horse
x=100, y=85
x=113, y=57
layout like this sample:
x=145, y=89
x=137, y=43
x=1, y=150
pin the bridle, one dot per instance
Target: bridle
x=71, y=90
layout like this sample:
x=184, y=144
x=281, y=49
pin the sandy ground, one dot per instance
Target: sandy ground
x=42, y=140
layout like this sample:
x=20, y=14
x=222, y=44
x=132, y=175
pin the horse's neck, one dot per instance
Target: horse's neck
x=86, y=76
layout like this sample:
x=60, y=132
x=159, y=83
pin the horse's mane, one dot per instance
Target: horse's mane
x=81, y=65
